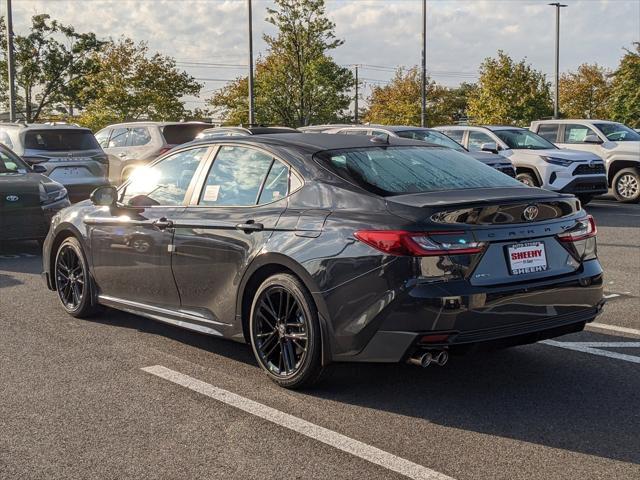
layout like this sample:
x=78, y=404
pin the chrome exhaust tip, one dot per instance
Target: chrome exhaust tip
x=421, y=360
x=441, y=358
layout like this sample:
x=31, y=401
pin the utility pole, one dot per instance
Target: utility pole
x=356, y=120
x=251, y=106
x=10, y=65
x=556, y=98
x=423, y=83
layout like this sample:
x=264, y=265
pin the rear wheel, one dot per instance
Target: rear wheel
x=626, y=185
x=72, y=279
x=528, y=179
x=285, y=332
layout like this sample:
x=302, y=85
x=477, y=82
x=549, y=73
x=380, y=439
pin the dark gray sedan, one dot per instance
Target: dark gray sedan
x=318, y=248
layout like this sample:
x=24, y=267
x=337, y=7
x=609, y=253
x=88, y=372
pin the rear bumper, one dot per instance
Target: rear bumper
x=471, y=317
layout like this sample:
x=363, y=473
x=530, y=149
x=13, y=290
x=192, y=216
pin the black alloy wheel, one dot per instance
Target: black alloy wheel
x=72, y=279
x=285, y=332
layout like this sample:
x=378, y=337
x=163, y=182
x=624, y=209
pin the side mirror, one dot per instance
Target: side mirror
x=36, y=168
x=106, y=196
x=592, y=139
x=490, y=147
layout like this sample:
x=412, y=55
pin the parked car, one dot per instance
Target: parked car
x=312, y=249
x=322, y=128
x=28, y=199
x=241, y=131
x=615, y=143
x=538, y=162
x=69, y=154
x=132, y=145
x=432, y=136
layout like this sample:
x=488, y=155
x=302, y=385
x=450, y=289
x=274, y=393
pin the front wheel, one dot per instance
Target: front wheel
x=528, y=179
x=285, y=332
x=626, y=185
x=72, y=279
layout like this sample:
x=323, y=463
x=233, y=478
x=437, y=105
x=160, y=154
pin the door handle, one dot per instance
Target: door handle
x=250, y=226
x=122, y=154
x=163, y=223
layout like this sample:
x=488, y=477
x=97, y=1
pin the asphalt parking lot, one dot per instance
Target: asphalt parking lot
x=121, y=396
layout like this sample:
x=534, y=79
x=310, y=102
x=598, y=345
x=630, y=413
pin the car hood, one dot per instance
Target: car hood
x=627, y=148
x=565, y=154
x=21, y=182
x=490, y=158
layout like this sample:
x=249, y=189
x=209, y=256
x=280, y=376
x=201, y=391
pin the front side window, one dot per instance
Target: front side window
x=520, y=139
x=11, y=163
x=616, y=132
x=574, y=133
x=549, y=131
x=52, y=140
x=431, y=136
x=102, y=137
x=477, y=139
x=139, y=136
x=164, y=183
x=119, y=138
x=235, y=177
x=388, y=171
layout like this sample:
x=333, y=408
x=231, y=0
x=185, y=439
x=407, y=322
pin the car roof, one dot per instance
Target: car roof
x=479, y=127
x=573, y=120
x=44, y=126
x=253, y=130
x=391, y=128
x=149, y=123
x=312, y=142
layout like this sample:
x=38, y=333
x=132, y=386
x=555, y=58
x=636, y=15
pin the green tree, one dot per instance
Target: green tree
x=585, y=93
x=400, y=102
x=509, y=92
x=625, y=94
x=297, y=83
x=52, y=63
x=130, y=84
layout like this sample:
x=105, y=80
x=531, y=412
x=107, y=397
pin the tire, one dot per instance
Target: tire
x=626, y=185
x=527, y=179
x=585, y=199
x=288, y=351
x=76, y=293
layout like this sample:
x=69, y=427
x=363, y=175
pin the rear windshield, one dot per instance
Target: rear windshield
x=60, y=140
x=182, y=133
x=390, y=171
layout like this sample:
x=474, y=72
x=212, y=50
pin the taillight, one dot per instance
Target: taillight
x=585, y=228
x=419, y=244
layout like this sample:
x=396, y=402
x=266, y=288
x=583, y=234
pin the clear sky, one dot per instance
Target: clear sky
x=382, y=34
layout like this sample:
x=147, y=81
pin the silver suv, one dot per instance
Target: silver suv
x=615, y=143
x=538, y=162
x=132, y=145
x=69, y=154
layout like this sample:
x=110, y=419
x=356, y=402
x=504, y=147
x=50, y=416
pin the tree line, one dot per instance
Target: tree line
x=67, y=75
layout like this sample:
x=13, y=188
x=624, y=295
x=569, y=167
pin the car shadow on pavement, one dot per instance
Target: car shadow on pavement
x=537, y=394
x=20, y=257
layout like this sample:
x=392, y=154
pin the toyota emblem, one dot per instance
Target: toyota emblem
x=12, y=198
x=530, y=213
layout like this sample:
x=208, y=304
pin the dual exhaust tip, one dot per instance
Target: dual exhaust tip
x=424, y=359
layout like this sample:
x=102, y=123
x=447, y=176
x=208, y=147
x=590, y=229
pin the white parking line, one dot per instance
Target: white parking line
x=585, y=348
x=611, y=295
x=308, y=429
x=614, y=328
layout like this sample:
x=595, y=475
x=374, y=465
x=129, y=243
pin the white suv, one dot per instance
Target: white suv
x=538, y=162
x=615, y=143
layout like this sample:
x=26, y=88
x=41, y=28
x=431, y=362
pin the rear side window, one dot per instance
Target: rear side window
x=60, y=140
x=549, y=131
x=235, y=177
x=390, y=171
x=182, y=133
x=139, y=136
x=455, y=134
x=576, y=133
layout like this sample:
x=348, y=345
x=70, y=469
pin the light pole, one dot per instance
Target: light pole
x=423, y=76
x=556, y=99
x=355, y=116
x=251, y=106
x=10, y=65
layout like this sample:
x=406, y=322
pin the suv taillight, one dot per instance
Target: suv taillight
x=420, y=244
x=585, y=228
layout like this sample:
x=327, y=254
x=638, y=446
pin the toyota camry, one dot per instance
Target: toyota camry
x=316, y=248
